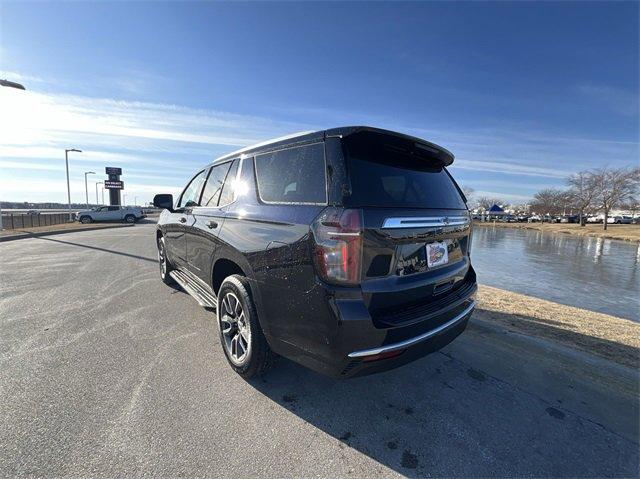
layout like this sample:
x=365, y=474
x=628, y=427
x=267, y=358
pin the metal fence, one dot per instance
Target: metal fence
x=14, y=221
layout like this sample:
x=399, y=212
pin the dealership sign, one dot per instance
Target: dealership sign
x=113, y=185
x=111, y=170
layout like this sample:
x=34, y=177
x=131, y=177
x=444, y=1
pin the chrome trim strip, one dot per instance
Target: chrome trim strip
x=339, y=233
x=427, y=221
x=410, y=342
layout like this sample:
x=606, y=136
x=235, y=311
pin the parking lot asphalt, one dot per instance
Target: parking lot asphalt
x=105, y=371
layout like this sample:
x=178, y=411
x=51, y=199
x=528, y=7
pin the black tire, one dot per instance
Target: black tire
x=130, y=219
x=85, y=220
x=164, y=263
x=259, y=356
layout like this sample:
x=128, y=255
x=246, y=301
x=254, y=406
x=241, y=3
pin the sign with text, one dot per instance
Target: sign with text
x=112, y=170
x=114, y=185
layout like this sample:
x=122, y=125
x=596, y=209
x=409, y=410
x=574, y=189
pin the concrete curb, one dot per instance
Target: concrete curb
x=24, y=235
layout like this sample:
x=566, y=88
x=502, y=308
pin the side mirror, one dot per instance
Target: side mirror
x=163, y=201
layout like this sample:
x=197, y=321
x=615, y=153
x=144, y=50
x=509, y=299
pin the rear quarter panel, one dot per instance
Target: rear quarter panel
x=271, y=242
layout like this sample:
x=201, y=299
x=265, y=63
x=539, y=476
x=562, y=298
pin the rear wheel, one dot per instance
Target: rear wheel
x=165, y=264
x=241, y=336
x=85, y=220
x=130, y=219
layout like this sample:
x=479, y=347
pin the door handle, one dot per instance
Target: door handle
x=183, y=220
x=212, y=224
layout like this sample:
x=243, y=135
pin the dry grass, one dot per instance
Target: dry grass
x=618, y=232
x=607, y=336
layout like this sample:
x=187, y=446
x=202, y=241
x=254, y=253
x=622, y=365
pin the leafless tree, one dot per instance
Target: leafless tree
x=583, y=192
x=522, y=208
x=485, y=202
x=615, y=186
x=551, y=201
x=467, y=191
x=632, y=205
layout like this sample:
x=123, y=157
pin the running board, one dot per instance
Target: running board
x=202, y=295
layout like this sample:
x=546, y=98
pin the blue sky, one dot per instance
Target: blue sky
x=522, y=93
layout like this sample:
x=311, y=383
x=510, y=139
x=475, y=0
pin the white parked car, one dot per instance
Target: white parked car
x=620, y=220
x=130, y=214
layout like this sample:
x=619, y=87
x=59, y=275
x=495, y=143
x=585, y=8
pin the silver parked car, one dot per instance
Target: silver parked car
x=130, y=214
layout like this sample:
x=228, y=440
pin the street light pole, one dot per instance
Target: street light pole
x=102, y=188
x=66, y=160
x=9, y=84
x=86, y=188
x=124, y=200
x=135, y=201
x=98, y=183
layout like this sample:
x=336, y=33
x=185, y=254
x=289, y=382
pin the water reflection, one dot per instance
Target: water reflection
x=592, y=273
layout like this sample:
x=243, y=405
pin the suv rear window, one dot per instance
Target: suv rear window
x=383, y=173
x=294, y=175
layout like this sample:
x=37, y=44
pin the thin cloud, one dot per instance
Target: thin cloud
x=30, y=111
x=508, y=197
x=510, y=168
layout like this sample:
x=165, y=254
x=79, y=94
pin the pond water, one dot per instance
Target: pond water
x=591, y=273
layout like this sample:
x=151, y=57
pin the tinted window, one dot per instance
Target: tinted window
x=113, y=208
x=191, y=194
x=295, y=175
x=382, y=174
x=228, y=189
x=212, y=189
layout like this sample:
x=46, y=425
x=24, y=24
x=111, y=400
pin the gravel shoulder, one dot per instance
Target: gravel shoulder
x=616, y=232
x=609, y=337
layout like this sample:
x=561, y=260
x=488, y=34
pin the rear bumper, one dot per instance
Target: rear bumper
x=419, y=350
x=407, y=343
x=391, y=353
x=341, y=339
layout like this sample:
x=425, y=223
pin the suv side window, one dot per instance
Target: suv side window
x=294, y=175
x=227, y=194
x=113, y=208
x=191, y=194
x=211, y=192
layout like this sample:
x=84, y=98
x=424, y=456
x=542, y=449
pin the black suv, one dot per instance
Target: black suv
x=346, y=250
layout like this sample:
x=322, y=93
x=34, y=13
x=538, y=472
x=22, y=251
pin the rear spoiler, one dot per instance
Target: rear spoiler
x=435, y=152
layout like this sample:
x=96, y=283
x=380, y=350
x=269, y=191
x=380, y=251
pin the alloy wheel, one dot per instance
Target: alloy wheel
x=235, y=329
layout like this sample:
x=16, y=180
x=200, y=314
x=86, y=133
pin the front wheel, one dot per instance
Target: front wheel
x=130, y=219
x=85, y=220
x=241, y=336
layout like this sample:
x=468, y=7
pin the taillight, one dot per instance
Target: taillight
x=338, y=245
